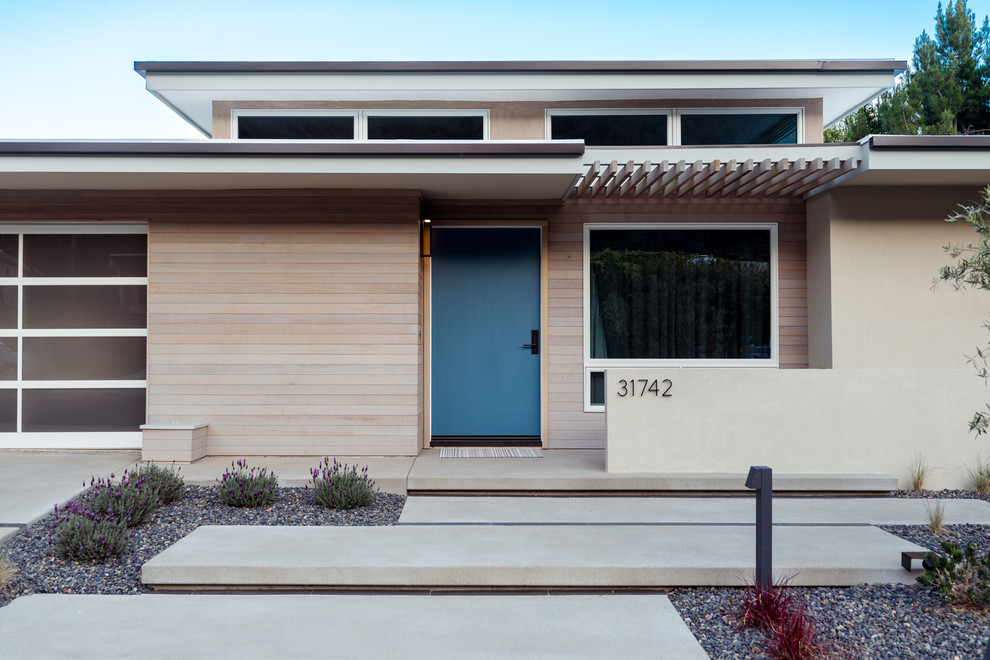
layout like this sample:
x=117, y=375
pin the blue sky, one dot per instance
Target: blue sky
x=66, y=66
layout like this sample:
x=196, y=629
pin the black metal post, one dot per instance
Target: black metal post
x=986, y=653
x=761, y=478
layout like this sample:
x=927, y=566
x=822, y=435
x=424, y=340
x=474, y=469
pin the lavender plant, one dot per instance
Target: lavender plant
x=338, y=486
x=83, y=535
x=131, y=501
x=246, y=487
x=165, y=480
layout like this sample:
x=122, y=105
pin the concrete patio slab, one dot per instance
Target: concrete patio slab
x=346, y=626
x=584, y=470
x=515, y=556
x=388, y=472
x=33, y=482
x=667, y=510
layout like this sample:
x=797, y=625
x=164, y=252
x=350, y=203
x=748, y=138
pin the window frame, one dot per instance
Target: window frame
x=69, y=439
x=361, y=118
x=550, y=112
x=799, y=111
x=600, y=364
x=674, y=119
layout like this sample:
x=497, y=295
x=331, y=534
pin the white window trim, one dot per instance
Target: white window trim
x=79, y=439
x=361, y=117
x=674, y=117
x=599, y=364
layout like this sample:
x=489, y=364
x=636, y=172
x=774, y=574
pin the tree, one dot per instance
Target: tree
x=972, y=269
x=945, y=92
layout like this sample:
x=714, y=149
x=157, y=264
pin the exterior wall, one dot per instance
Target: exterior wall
x=288, y=321
x=812, y=421
x=570, y=426
x=524, y=120
x=873, y=254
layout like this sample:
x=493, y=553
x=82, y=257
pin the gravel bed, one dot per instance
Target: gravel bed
x=864, y=621
x=941, y=494
x=889, y=621
x=39, y=571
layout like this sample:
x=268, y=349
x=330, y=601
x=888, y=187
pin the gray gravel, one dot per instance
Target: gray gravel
x=865, y=621
x=872, y=621
x=41, y=572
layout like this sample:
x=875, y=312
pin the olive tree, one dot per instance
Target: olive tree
x=972, y=269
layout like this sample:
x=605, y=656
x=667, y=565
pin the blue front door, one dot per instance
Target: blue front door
x=485, y=309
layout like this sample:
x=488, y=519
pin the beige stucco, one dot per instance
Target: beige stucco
x=872, y=256
x=812, y=421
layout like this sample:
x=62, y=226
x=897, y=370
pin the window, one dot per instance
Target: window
x=630, y=128
x=291, y=127
x=678, y=295
x=360, y=124
x=730, y=128
x=442, y=127
x=611, y=130
x=73, y=334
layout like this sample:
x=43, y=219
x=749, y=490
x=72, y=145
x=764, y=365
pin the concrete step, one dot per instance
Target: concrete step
x=346, y=626
x=665, y=510
x=520, y=556
x=583, y=470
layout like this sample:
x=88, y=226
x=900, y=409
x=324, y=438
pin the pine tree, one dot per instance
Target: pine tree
x=946, y=92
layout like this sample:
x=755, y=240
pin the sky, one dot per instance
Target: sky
x=67, y=66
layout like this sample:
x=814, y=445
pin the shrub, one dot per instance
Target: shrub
x=979, y=474
x=246, y=487
x=82, y=535
x=920, y=471
x=961, y=576
x=936, y=516
x=7, y=569
x=165, y=480
x=763, y=607
x=131, y=501
x=338, y=486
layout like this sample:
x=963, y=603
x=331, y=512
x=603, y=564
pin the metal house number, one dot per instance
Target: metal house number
x=643, y=386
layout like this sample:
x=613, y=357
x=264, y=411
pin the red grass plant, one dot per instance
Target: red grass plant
x=763, y=607
x=791, y=633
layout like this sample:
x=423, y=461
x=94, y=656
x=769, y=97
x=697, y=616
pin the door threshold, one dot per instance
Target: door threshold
x=486, y=441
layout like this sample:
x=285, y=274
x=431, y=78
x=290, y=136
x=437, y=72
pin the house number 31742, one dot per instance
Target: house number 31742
x=645, y=386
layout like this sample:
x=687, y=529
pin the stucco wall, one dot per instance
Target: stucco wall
x=872, y=257
x=811, y=421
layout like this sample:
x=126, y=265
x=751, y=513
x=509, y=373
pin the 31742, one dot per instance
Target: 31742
x=645, y=387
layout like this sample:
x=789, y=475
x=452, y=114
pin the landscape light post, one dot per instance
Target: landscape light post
x=761, y=478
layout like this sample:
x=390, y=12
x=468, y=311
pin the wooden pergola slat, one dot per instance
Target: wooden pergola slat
x=768, y=178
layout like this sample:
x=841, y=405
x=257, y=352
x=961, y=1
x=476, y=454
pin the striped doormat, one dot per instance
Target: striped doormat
x=490, y=452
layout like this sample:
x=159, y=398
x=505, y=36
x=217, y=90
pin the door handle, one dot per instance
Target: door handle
x=534, y=347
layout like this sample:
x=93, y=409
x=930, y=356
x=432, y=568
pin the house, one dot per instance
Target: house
x=372, y=258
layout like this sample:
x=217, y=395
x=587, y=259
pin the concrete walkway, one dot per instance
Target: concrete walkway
x=684, y=510
x=521, y=556
x=560, y=470
x=345, y=626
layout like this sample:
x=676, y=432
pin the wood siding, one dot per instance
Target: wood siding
x=570, y=426
x=290, y=322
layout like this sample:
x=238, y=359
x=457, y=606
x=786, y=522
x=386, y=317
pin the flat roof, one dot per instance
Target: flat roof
x=191, y=88
x=597, y=66
x=329, y=148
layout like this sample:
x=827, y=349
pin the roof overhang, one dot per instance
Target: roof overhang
x=518, y=170
x=924, y=160
x=450, y=170
x=190, y=88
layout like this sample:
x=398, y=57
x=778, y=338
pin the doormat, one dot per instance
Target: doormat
x=490, y=452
